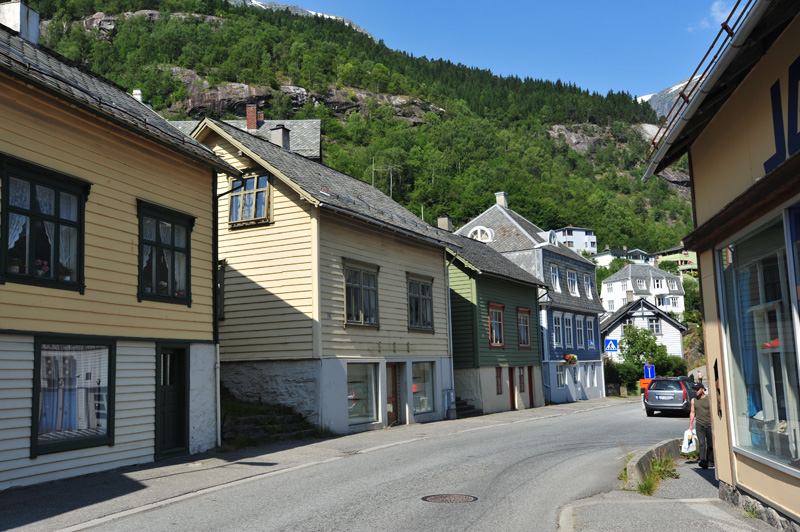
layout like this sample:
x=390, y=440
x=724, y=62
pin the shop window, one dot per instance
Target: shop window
x=422, y=386
x=73, y=395
x=361, y=393
x=761, y=340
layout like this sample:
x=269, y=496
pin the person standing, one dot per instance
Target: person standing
x=701, y=411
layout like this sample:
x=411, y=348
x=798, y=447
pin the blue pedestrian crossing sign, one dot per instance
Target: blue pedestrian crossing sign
x=611, y=345
x=649, y=372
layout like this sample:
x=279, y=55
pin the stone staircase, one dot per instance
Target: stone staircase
x=464, y=409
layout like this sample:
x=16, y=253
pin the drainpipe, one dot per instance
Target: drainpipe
x=450, y=406
x=219, y=402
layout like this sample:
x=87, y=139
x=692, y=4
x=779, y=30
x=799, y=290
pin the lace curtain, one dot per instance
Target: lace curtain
x=19, y=196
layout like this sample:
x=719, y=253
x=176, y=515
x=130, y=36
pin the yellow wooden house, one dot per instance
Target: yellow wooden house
x=107, y=272
x=335, y=297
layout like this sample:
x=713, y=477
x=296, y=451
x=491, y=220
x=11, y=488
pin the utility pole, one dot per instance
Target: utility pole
x=384, y=169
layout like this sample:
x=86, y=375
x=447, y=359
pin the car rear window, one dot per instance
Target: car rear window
x=674, y=386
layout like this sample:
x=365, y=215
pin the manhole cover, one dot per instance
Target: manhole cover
x=451, y=498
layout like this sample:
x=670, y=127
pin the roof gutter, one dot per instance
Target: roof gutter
x=731, y=51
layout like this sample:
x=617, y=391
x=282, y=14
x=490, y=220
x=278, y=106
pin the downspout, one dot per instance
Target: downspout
x=219, y=402
x=450, y=327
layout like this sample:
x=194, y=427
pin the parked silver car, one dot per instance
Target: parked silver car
x=668, y=393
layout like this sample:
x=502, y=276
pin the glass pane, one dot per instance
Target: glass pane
x=180, y=236
x=148, y=271
x=427, y=313
x=45, y=200
x=20, y=195
x=361, y=393
x=149, y=229
x=413, y=288
x=43, y=250
x=262, y=181
x=67, y=252
x=165, y=232
x=248, y=210
x=422, y=386
x=250, y=183
x=163, y=273
x=18, y=239
x=235, y=207
x=69, y=207
x=413, y=311
x=180, y=274
x=370, y=306
x=370, y=280
x=73, y=399
x=261, y=204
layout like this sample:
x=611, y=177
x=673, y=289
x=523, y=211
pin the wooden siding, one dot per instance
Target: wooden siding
x=134, y=433
x=463, y=309
x=513, y=296
x=121, y=167
x=269, y=299
x=396, y=256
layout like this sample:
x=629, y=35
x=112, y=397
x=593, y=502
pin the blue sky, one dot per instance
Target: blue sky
x=638, y=46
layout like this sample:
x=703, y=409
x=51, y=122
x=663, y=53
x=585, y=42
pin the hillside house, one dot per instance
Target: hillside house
x=496, y=343
x=642, y=281
x=635, y=256
x=107, y=272
x=569, y=308
x=741, y=131
x=579, y=239
x=334, y=297
x=642, y=314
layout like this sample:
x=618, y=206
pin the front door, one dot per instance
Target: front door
x=391, y=394
x=171, y=402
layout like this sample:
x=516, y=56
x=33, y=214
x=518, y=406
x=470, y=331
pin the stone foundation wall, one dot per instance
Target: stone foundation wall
x=291, y=383
x=765, y=513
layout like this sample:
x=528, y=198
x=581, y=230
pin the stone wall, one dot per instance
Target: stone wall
x=765, y=513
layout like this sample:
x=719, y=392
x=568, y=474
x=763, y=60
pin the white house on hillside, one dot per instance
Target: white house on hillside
x=578, y=239
x=642, y=281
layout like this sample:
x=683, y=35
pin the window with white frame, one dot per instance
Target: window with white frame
x=674, y=301
x=554, y=278
x=672, y=284
x=249, y=200
x=609, y=288
x=557, y=332
x=73, y=395
x=758, y=275
x=654, y=324
x=587, y=285
x=624, y=285
x=658, y=284
x=524, y=327
x=561, y=381
x=361, y=294
x=42, y=238
x=579, y=331
x=481, y=233
x=496, y=332
x=568, y=330
x=640, y=284
x=590, y=333
x=572, y=282
x=420, y=303
x=610, y=304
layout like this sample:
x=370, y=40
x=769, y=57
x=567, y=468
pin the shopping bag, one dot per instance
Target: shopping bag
x=689, y=441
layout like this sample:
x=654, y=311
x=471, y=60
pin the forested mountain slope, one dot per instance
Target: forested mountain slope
x=449, y=136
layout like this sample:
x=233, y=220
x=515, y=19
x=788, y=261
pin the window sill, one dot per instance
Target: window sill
x=497, y=346
x=358, y=325
x=425, y=330
x=183, y=301
x=232, y=226
x=43, y=282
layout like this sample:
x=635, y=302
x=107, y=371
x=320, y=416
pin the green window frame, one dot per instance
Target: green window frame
x=42, y=219
x=165, y=271
x=73, y=394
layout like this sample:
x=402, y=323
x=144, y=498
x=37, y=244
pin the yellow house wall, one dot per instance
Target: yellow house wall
x=121, y=167
x=269, y=301
x=729, y=155
x=342, y=238
x=727, y=159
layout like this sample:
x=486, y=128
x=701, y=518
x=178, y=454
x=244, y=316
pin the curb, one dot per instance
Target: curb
x=639, y=465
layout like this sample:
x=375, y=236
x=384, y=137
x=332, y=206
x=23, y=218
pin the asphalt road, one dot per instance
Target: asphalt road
x=521, y=467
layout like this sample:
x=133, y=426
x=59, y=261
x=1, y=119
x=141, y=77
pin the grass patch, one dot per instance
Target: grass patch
x=750, y=510
x=623, y=475
x=661, y=467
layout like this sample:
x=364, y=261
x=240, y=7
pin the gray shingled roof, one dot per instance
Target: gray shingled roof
x=331, y=189
x=486, y=260
x=611, y=321
x=633, y=272
x=304, y=135
x=57, y=75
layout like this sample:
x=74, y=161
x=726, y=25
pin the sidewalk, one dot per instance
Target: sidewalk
x=91, y=500
x=689, y=502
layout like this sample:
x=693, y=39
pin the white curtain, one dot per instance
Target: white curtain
x=149, y=234
x=46, y=198
x=19, y=196
x=165, y=233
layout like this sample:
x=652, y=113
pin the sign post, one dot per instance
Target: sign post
x=649, y=371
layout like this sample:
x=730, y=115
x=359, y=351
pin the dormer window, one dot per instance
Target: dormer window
x=481, y=234
x=672, y=285
x=640, y=283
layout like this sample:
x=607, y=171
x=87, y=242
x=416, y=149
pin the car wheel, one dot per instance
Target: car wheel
x=649, y=412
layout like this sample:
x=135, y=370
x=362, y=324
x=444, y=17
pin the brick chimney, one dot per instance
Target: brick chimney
x=502, y=199
x=446, y=223
x=260, y=116
x=629, y=296
x=22, y=19
x=279, y=136
x=252, y=116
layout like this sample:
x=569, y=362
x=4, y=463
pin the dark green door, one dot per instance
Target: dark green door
x=171, y=402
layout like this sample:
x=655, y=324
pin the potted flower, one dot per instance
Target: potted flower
x=162, y=287
x=65, y=272
x=147, y=287
x=42, y=267
x=570, y=359
x=180, y=293
x=15, y=265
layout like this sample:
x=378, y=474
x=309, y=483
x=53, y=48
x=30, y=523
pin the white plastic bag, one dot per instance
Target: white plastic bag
x=689, y=441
